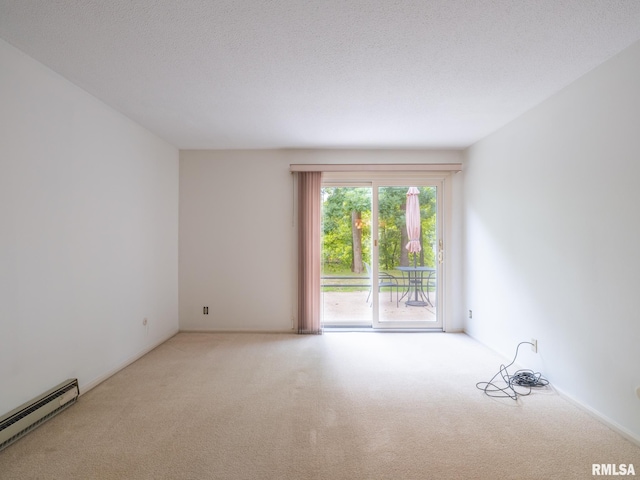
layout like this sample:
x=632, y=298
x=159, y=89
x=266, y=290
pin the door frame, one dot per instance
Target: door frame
x=440, y=179
x=394, y=181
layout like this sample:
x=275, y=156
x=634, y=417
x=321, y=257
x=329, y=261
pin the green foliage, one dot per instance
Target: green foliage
x=391, y=221
x=340, y=202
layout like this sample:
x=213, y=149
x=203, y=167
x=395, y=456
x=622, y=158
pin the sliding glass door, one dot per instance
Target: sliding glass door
x=382, y=252
x=346, y=255
x=406, y=250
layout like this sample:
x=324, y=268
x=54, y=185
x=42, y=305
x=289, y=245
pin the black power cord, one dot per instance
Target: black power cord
x=526, y=380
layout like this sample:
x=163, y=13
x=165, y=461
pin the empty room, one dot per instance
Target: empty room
x=319, y=239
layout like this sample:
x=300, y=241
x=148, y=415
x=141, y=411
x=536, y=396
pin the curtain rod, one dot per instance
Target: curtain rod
x=375, y=167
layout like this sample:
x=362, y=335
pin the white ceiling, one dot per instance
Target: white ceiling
x=217, y=74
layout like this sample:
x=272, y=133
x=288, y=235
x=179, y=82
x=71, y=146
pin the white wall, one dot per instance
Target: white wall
x=552, y=239
x=88, y=234
x=235, y=241
x=238, y=236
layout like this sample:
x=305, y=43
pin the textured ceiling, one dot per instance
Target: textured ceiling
x=325, y=73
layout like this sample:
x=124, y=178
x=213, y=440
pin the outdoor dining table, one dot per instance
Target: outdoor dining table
x=415, y=279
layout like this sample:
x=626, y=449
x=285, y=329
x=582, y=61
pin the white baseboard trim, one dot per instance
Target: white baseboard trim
x=613, y=425
x=235, y=331
x=85, y=387
x=616, y=427
x=453, y=330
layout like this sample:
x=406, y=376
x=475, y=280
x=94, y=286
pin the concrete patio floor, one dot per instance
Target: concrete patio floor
x=352, y=309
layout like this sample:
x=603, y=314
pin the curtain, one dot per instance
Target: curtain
x=309, y=254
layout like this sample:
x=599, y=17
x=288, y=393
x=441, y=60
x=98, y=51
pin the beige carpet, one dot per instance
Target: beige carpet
x=337, y=406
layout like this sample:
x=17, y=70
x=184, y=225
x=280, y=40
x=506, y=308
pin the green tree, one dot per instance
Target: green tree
x=346, y=227
x=345, y=224
x=391, y=225
x=428, y=209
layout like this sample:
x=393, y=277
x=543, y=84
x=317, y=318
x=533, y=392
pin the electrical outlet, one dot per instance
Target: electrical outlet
x=534, y=345
x=144, y=322
x=205, y=310
x=470, y=313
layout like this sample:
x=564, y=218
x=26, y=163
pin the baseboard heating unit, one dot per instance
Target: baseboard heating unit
x=26, y=417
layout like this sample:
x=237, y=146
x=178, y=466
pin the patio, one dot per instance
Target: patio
x=352, y=309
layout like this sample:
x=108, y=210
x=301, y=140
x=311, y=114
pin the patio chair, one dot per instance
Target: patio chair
x=385, y=280
x=430, y=285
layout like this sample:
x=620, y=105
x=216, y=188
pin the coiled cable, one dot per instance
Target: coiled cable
x=525, y=380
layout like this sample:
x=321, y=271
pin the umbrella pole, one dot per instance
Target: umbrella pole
x=415, y=273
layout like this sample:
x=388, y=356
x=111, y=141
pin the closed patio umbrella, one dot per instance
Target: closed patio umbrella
x=413, y=223
x=412, y=215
